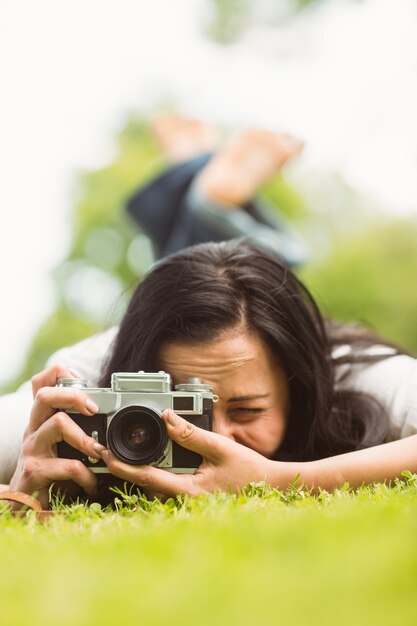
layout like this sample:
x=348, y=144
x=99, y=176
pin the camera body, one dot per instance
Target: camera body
x=129, y=420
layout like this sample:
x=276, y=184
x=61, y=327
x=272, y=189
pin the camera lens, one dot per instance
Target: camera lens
x=137, y=435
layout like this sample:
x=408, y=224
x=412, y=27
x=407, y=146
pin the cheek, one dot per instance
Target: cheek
x=262, y=435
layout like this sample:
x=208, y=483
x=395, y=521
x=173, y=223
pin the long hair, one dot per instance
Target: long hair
x=195, y=295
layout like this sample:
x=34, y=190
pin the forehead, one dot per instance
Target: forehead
x=233, y=359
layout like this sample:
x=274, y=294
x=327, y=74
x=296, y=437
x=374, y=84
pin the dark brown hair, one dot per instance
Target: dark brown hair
x=200, y=292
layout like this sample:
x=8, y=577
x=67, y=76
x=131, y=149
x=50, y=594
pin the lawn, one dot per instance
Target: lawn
x=263, y=557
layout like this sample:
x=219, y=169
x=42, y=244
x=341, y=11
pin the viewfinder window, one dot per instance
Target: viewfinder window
x=183, y=403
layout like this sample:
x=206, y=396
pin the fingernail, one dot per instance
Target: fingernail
x=105, y=455
x=90, y=406
x=172, y=419
x=74, y=373
x=102, y=451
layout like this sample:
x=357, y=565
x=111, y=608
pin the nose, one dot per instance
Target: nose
x=222, y=425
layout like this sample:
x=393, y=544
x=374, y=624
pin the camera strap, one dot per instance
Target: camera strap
x=28, y=503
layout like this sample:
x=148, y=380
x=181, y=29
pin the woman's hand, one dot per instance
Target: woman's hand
x=38, y=466
x=227, y=465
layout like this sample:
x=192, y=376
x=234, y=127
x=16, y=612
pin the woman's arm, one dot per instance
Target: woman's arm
x=86, y=357
x=383, y=462
x=38, y=465
x=229, y=466
x=14, y=410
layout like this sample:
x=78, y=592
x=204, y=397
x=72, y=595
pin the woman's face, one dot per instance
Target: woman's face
x=251, y=385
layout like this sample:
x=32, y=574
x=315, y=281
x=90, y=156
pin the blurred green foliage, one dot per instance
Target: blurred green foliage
x=228, y=20
x=371, y=277
x=367, y=274
x=107, y=254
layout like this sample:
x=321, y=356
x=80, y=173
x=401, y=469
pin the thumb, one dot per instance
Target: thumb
x=189, y=436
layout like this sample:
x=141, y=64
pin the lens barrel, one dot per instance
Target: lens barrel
x=137, y=435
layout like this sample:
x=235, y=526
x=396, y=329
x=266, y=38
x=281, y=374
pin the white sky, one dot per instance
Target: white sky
x=342, y=76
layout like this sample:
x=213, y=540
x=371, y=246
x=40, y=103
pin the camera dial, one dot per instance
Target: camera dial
x=77, y=383
x=194, y=384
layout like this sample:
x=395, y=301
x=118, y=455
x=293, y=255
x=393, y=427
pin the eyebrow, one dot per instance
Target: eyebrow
x=244, y=398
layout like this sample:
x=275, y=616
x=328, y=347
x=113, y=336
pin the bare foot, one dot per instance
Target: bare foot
x=236, y=172
x=182, y=138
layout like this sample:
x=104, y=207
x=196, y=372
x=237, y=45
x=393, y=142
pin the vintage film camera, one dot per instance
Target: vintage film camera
x=129, y=419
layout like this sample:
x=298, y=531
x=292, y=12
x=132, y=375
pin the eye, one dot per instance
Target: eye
x=243, y=413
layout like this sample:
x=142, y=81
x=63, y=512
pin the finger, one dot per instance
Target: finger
x=60, y=427
x=38, y=473
x=210, y=445
x=49, y=399
x=152, y=478
x=49, y=376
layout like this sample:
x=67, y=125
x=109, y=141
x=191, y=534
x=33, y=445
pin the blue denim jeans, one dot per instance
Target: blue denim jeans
x=172, y=212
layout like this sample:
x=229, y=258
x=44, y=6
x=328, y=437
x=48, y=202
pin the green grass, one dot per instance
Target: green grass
x=262, y=557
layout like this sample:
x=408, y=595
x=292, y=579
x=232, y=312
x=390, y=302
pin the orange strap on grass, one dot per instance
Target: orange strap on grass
x=21, y=498
x=27, y=501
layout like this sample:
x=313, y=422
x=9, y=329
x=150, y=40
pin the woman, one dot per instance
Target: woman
x=297, y=396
